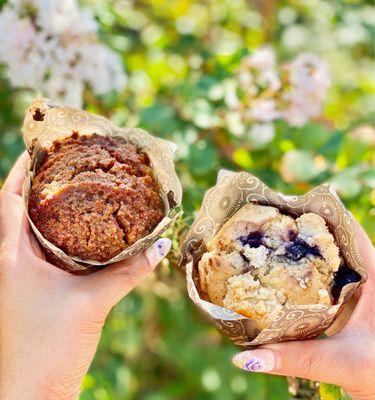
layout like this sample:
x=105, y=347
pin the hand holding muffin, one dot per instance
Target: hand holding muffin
x=346, y=358
x=95, y=193
x=51, y=320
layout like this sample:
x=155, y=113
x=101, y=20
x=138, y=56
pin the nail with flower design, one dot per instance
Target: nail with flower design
x=261, y=360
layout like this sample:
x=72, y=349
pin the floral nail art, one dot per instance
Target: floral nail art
x=260, y=360
x=254, y=364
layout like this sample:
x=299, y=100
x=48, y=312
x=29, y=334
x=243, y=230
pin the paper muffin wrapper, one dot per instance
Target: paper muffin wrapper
x=294, y=322
x=46, y=122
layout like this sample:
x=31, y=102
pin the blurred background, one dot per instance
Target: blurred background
x=283, y=89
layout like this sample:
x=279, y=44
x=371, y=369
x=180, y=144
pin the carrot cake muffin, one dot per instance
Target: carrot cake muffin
x=92, y=196
x=262, y=259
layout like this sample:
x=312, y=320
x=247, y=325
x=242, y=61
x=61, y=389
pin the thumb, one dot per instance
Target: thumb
x=114, y=282
x=321, y=360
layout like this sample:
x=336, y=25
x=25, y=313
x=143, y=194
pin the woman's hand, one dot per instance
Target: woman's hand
x=50, y=320
x=346, y=359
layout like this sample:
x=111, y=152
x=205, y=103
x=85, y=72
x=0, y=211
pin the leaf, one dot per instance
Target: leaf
x=243, y=158
x=347, y=183
x=159, y=119
x=368, y=178
x=202, y=157
x=329, y=392
x=312, y=136
x=203, y=114
x=299, y=166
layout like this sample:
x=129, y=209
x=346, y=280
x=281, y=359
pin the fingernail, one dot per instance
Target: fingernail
x=158, y=250
x=262, y=360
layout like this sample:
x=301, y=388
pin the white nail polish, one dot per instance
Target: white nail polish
x=159, y=250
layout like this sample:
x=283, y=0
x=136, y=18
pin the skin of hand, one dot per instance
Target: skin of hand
x=346, y=359
x=50, y=320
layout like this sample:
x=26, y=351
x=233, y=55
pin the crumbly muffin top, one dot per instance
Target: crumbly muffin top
x=92, y=196
x=262, y=259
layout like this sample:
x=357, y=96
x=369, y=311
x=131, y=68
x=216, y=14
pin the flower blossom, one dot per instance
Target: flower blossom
x=309, y=81
x=52, y=47
x=258, y=96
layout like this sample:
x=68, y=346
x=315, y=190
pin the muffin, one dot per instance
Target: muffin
x=92, y=196
x=261, y=260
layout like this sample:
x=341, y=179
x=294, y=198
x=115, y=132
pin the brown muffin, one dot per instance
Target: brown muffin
x=93, y=196
x=261, y=260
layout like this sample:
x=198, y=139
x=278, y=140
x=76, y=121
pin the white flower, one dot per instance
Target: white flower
x=262, y=58
x=231, y=99
x=264, y=110
x=309, y=80
x=258, y=73
x=245, y=78
x=15, y=33
x=271, y=79
x=52, y=46
x=258, y=93
x=310, y=73
x=234, y=123
x=262, y=133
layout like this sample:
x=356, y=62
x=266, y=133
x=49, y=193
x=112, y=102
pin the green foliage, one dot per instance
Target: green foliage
x=177, y=53
x=329, y=392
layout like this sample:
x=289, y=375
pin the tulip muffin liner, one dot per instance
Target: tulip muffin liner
x=46, y=122
x=294, y=322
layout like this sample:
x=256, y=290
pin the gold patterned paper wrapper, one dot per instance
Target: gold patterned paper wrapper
x=294, y=322
x=46, y=122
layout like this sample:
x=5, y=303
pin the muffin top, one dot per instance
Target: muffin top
x=92, y=196
x=262, y=259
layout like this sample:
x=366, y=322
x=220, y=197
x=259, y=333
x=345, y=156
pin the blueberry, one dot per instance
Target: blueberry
x=342, y=277
x=253, y=239
x=299, y=249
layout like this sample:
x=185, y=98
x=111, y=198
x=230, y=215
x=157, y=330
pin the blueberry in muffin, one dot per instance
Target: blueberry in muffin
x=261, y=260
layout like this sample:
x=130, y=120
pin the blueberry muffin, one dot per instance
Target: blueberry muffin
x=93, y=196
x=262, y=259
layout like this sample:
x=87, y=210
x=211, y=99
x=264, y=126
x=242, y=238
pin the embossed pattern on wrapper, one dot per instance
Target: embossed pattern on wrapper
x=46, y=122
x=294, y=322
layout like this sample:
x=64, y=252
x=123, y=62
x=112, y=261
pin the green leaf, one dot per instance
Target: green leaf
x=201, y=158
x=368, y=178
x=329, y=392
x=159, y=119
x=243, y=158
x=347, y=183
x=299, y=166
x=312, y=136
x=202, y=114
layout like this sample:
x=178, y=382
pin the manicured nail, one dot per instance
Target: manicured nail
x=158, y=250
x=262, y=360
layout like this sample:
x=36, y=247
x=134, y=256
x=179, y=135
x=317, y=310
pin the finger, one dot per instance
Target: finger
x=112, y=283
x=366, y=249
x=363, y=316
x=12, y=223
x=13, y=182
x=343, y=318
x=319, y=360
